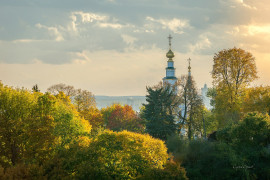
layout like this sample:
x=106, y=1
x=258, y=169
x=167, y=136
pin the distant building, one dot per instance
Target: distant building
x=206, y=100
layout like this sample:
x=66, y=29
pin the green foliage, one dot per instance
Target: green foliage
x=241, y=152
x=22, y=171
x=257, y=99
x=171, y=171
x=159, y=112
x=69, y=124
x=206, y=160
x=250, y=139
x=35, y=88
x=25, y=126
x=191, y=112
x=211, y=123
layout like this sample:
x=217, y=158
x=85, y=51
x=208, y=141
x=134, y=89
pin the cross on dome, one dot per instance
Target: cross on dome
x=170, y=41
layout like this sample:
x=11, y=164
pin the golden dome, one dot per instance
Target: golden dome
x=170, y=54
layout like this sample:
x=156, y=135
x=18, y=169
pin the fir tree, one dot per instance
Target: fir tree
x=159, y=111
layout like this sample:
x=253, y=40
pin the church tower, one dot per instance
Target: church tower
x=189, y=68
x=170, y=70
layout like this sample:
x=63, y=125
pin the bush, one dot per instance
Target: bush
x=171, y=170
x=111, y=155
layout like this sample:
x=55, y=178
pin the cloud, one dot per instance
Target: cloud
x=175, y=25
x=245, y=4
x=110, y=25
x=103, y=21
x=53, y=31
x=88, y=17
x=202, y=44
x=98, y=36
x=259, y=29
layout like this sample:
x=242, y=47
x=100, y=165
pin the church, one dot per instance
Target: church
x=188, y=94
x=171, y=79
x=137, y=101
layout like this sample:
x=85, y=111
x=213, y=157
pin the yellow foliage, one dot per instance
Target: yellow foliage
x=84, y=141
x=126, y=154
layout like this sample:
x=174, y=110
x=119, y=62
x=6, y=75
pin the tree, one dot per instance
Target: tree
x=250, y=138
x=84, y=100
x=118, y=117
x=191, y=112
x=94, y=116
x=68, y=90
x=34, y=125
x=35, y=88
x=257, y=99
x=111, y=155
x=26, y=127
x=233, y=70
x=159, y=112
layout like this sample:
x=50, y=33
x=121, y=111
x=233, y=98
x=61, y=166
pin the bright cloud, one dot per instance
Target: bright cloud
x=202, y=44
x=175, y=25
x=256, y=29
x=87, y=17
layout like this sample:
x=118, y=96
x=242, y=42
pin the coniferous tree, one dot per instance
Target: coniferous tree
x=35, y=88
x=159, y=111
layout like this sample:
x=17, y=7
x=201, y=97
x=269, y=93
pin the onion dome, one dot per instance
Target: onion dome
x=170, y=54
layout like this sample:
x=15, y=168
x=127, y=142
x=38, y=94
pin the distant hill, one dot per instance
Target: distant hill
x=134, y=101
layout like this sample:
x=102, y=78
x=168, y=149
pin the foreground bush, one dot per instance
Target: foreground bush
x=112, y=155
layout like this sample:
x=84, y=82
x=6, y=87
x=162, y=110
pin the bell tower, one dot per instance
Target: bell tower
x=170, y=70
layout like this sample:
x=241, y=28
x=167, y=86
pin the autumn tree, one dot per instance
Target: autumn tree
x=118, y=117
x=26, y=126
x=233, y=70
x=257, y=99
x=191, y=108
x=34, y=125
x=83, y=100
x=159, y=112
x=94, y=116
x=111, y=155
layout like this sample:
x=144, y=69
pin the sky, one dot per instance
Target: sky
x=118, y=47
